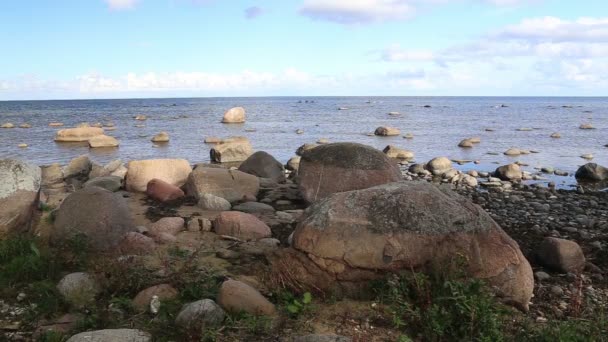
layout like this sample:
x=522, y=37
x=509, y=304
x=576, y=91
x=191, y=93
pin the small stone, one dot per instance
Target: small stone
x=540, y=275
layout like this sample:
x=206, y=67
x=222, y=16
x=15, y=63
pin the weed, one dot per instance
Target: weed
x=578, y=330
x=296, y=307
x=52, y=336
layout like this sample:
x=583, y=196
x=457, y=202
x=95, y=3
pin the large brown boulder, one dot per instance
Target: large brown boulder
x=19, y=189
x=352, y=237
x=77, y=134
x=338, y=167
x=100, y=216
x=264, y=165
x=162, y=191
x=172, y=171
x=231, y=185
x=231, y=151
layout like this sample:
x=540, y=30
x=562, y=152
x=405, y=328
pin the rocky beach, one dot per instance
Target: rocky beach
x=336, y=242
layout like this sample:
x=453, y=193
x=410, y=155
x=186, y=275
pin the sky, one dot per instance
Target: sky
x=79, y=49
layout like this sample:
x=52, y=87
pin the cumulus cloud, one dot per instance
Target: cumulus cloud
x=557, y=30
x=253, y=12
x=120, y=5
x=357, y=11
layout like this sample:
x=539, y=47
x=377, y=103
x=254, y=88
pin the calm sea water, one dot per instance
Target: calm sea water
x=272, y=122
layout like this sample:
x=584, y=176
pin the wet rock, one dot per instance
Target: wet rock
x=556, y=135
x=513, y=152
x=161, y=137
x=386, y=131
x=398, y=153
x=586, y=126
x=100, y=141
x=78, y=134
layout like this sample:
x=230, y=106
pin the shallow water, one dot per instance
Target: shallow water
x=437, y=130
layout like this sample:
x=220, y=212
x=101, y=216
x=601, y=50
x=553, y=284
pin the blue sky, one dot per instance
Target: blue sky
x=163, y=48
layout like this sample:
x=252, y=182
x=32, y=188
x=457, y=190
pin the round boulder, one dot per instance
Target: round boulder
x=241, y=225
x=264, y=165
x=79, y=289
x=235, y=297
x=162, y=191
x=387, y=131
x=99, y=215
x=161, y=137
x=200, y=314
x=338, y=167
x=508, y=172
x=141, y=302
x=439, y=166
x=234, y=115
x=592, y=172
x=353, y=237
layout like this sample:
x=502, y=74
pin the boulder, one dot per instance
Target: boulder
x=214, y=203
x=305, y=148
x=264, y=165
x=52, y=176
x=586, y=126
x=387, y=131
x=134, y=243
x=167, y=225
x=438, y=166
x=79, y=289
x=231, y=151
x=398, y=153
x=172, y=171
x=467, y=143
x=418, y=169
x=241, y=225
x=111, y=183
x=561, y=255
x=103, y=141
x=234, y=115
x=556, y=135
x=232, y=185
x=508, y=172
x=78, y=167
x=112, y=335
x=19, y=194
x=338, y=167
x=101, y=216
x=77, y=134
x=592, y=172
x=235, y=297
x=350, y=238
x=162, y=191
x=141, y=302
x=140, y=117
x=161, y=137
x=293, y=163
x=7, y=125
x=199, y=315
x=213, y=140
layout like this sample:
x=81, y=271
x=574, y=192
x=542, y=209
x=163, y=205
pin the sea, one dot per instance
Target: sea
x=437, y=124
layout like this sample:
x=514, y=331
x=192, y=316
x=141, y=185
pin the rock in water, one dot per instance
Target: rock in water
x=346, y=240
x=112, y=335
x=387, y=131
x=231, y=151
x=438, y=166
x=264, y=165
x=172, y=171
x=592, y=172
x=398, y=153
x=338, y=167
x=232, y=185
x=100, y=216
x=234, y=115
x=103, y=141
x=19, y=187
x=161, y=137
x=78, y=134
x=508, y=172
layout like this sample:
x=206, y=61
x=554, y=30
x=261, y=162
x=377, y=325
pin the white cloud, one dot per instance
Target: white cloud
x=395, y=53
x=357, y=11
x=119, y=5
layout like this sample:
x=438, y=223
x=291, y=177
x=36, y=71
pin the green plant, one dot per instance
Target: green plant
x=22, y=262
x=252, y=324
x=442, y=306
x=298, y=306
x=52, y=336
x=578, y=330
